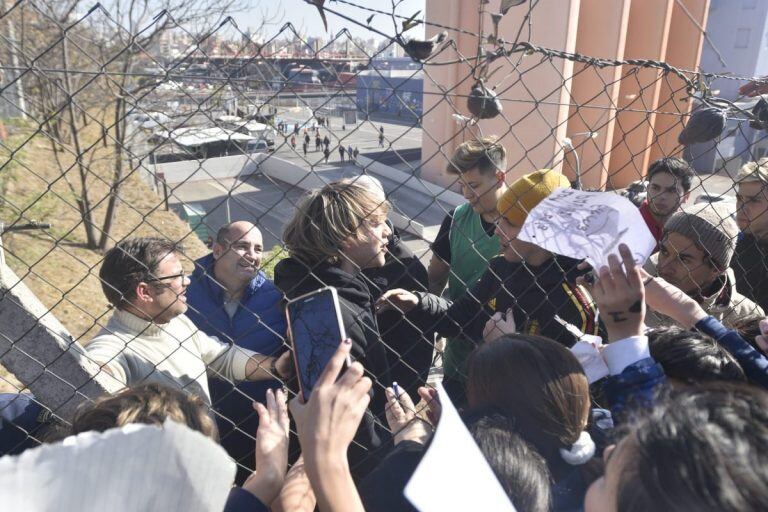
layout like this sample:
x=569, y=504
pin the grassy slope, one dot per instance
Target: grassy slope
x=54, y=264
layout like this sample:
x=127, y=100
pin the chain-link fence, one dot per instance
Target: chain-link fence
x=117, y=125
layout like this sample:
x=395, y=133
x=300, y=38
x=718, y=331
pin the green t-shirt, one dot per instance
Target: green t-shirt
x=471, y=250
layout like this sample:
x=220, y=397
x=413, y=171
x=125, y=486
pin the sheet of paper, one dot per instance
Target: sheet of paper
x=588, y=354
x=137, y=467
x=588, y=225
x=454, y=475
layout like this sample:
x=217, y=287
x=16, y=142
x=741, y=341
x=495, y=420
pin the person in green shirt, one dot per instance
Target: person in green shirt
x=466, y=240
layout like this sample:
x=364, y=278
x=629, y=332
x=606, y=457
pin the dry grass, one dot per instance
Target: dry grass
x=55, y=264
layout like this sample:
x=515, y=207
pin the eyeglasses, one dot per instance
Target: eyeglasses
x=182, y=275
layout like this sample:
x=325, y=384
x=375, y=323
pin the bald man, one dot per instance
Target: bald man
x=230, y=297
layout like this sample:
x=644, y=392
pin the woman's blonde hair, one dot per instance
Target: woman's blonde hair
x=327, y=217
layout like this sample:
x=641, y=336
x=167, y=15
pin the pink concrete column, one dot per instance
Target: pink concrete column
x=595, y=91
x=647, y=35
x=683, y=51
x=534, y=90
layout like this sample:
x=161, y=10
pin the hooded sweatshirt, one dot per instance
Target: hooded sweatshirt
x=295, y=279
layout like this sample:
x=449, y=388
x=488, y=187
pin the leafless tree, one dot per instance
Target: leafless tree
x=81, y=71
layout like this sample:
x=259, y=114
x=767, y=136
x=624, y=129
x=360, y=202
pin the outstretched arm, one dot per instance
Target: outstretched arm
x=326, y=425
x=619, y=295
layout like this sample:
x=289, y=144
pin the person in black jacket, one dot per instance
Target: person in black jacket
x=409, y=349
x=750, y=260
x=336, y=232
x=533, y=285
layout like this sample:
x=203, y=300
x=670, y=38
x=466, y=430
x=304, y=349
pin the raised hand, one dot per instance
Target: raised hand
x=398, y=299
x=671, y=301
x=430, y=397
x=271, y=448
x=499, y=325
x=326, y=425
x=619, y=295
x=402, y=419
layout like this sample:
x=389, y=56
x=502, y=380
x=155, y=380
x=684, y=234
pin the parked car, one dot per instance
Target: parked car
x=258, y=146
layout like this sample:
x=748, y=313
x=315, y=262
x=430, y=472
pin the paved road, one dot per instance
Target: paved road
x=364, y=135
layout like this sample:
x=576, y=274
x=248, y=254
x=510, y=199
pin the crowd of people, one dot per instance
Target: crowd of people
x=323, y=141
x=677, y=421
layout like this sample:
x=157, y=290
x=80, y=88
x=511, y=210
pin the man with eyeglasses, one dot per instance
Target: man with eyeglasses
x=150, y=339
x=750, y=261
x=231, y=298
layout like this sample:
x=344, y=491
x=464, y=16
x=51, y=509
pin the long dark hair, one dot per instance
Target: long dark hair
x=538, y=384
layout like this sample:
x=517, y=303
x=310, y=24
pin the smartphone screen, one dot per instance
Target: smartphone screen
x=316, y=332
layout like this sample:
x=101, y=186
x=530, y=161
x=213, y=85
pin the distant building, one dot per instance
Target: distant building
x=391, y=91
x=548, y=99
x=395, y=63
x=738, y=29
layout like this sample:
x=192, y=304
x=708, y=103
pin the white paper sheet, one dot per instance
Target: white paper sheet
x=137, y=467
x=454, y=475
x=588, y=225
x=587, y=351
x=588, y=354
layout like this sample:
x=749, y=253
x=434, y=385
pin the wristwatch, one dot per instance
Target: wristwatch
x=273, y=368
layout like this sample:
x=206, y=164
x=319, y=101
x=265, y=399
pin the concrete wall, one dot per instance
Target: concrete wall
x=726, y=19
x=680, y=52
x=533, y=124
x=291, y=173
x=306, y=179
x=412, y=182
x=595, y=91
x=725, y=25
x=212, y=168
x=39, y=351
x=546, y=100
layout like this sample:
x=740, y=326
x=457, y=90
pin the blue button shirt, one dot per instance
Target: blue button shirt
x=258, y=324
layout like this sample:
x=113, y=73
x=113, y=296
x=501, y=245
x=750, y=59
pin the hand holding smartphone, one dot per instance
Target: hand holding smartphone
x=315, y=330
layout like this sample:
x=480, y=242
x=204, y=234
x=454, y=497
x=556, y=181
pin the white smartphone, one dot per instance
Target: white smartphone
x=315, y=330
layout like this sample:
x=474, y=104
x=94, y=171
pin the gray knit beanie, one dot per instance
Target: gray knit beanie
x=710, y=226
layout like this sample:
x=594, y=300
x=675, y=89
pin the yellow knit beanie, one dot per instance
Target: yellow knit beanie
x=528, y=191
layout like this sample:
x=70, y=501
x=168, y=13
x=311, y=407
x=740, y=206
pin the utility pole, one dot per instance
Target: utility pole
x=21, y=102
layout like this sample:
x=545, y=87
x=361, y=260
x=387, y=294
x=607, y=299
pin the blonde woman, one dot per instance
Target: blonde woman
x=335, y=233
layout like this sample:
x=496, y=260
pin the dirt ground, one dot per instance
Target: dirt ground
x=55, y=263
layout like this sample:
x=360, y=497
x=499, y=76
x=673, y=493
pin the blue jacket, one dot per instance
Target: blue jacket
x=240, y=500
x=754, y=363
x=635, y=387
x=23, y=421
x=258, y=325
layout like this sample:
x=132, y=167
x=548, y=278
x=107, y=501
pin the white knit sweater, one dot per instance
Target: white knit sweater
x=175, y=354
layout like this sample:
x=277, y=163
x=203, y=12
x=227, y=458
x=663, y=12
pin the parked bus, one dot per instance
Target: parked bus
x=302, y=79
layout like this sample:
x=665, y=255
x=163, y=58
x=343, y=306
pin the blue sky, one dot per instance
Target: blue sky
x=304, y=15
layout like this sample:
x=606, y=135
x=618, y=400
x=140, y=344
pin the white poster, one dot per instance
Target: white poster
x=453, y=474
x=588, y=225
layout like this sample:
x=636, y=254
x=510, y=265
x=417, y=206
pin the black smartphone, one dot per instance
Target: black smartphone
x=315, y=331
